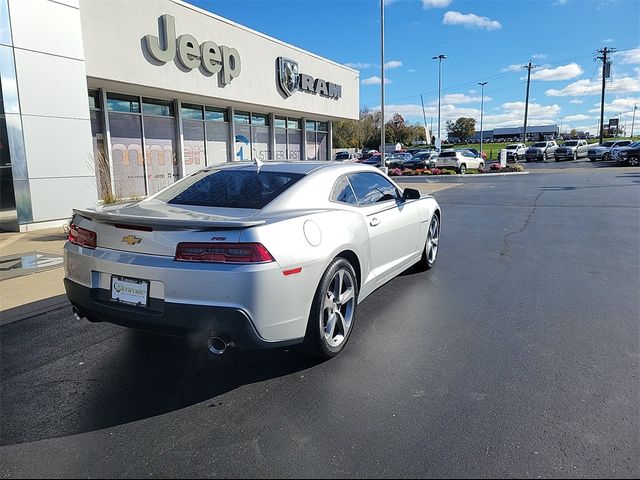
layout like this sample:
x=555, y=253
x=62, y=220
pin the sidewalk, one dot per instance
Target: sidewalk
x=36, y=292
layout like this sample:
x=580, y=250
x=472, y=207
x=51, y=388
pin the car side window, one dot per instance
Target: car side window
x=343, y=193
x=372, y=188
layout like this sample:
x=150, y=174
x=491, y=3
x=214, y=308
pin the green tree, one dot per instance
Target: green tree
x=463, y=128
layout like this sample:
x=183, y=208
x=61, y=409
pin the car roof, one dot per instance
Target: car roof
x=294, y=166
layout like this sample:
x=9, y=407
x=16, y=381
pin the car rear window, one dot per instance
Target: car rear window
x=539, y=144
x=608, y=144
x=570, y=144
x=512, y=147
x=342, y=156
x=229, y=188
x=447, y=154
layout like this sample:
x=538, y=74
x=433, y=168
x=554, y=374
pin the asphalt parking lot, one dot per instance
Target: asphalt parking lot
x=516, y=356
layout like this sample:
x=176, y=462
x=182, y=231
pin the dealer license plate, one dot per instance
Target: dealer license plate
x=131, y=291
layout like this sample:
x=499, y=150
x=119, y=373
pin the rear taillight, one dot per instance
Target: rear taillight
x=223, y=253
x=82, y=236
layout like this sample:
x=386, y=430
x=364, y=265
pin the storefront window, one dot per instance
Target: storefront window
x=252, y=136
x=217, y=141
x=213, y=114
x=317, y=136
x=157, y=107
x=194, y=145
x=193, y=112
x=126, y=155
x=161, y=162
x=123, y=103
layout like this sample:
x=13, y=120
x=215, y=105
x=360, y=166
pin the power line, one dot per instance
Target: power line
x=529, y=67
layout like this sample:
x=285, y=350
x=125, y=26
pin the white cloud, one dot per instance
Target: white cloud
x=539, y=56
x=470, y=20
x=594, y=87
x=412, y=70
x=435, y=3
x=560, y=2
x=461, y=98
x=374, y=80
x=507, y=115
x=512, y=68
x=359, y=65
x=576, y=101
x=473, y=92
x=576, y=118
x=619, y=105
x=608, y=40
x=630, y=57
x=393, y=64
x=563, y=72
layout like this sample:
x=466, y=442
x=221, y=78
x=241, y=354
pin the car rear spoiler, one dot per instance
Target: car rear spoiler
x=207, y=222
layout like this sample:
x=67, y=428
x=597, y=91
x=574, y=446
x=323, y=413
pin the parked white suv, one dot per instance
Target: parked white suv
x=515, y=152
x=572, y=150
x=459, y=160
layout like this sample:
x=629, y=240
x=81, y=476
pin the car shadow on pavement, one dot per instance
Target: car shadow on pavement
x=135, y=376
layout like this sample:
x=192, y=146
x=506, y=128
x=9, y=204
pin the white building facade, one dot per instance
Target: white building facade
x=114, y=99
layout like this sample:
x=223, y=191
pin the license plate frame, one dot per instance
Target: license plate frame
x=137, y=295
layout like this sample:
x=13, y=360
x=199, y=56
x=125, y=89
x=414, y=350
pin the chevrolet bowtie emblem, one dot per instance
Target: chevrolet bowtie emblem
x=131, y=239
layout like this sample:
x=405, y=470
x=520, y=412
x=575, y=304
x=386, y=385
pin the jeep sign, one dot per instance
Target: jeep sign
x=209, y=56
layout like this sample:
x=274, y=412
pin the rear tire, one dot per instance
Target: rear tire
x=333, y=311
x=430, y=251
x=606, y=157
x=633, y=161
x=463, y=169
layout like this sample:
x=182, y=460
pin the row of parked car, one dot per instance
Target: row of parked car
x=572, y=150
x=454, y=159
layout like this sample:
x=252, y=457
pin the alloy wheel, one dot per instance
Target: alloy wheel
x=433, y=239
x=338, y=308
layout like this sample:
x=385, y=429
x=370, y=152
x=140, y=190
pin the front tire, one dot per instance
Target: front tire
x=333, y=310
x=606, y=157
x=430, y=252
x=575, y=156
x=633, y=161
x=463, y=169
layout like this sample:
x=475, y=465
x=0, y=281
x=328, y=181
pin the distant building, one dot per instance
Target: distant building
x=534, y=133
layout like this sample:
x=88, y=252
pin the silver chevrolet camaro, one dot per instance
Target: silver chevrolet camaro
x=251, y=256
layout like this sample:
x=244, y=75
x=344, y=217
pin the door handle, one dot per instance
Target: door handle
x=374, y=222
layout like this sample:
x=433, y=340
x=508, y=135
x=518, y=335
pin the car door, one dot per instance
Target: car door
x=393, y=224
x=583, y=147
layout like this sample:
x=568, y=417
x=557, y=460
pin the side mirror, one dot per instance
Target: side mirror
x=410, y=194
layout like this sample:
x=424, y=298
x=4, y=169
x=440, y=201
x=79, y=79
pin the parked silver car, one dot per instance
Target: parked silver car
x=516, y=152
x=571, y=150
x=541, y=151
x=603, y=151
x=251, y=256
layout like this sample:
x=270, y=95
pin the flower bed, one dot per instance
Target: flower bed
x=495, y=168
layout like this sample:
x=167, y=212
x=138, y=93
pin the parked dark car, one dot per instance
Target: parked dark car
x=629, y=155
x=425, y=159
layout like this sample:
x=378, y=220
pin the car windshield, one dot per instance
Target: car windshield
x=229, y=188
x=608, y=144
x=512, y=147
x=572, y=143
x=342, y=156
x=450, y=153
x=539, y=144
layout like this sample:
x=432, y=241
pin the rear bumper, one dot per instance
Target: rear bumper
x=170, y=318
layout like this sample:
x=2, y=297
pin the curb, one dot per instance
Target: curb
x=23, y=312
x=471, y=175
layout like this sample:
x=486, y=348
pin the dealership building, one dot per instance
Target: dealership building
x=116, y=99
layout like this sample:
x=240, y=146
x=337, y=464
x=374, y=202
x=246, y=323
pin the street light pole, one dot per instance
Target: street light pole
x=439, y=58
x=526, y=104
x=633, y=121
x=482, y=84
x=382, y=139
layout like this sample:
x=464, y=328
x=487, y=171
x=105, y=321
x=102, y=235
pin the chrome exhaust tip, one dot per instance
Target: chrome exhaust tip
x=217, y=345
x=76, y=313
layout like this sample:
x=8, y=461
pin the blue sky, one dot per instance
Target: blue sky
x=484, y=40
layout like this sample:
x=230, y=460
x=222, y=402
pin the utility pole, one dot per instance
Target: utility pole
x=529, y=67
x=482, y=84
x=633, y=121
x=439, y=58
x=382, y=138
x=605, y=69
x=424, y=118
